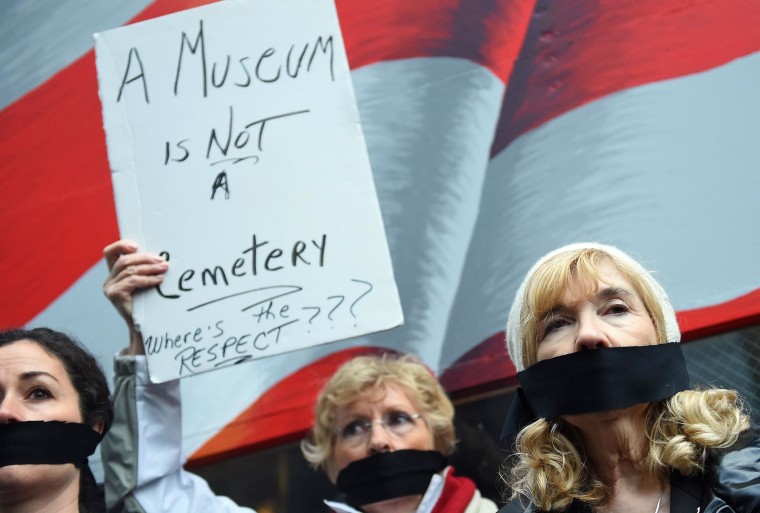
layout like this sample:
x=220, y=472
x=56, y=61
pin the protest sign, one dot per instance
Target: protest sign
x=236, y=152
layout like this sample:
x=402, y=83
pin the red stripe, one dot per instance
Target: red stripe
x=164, y=7
x=489, y=33
x=57, y=213
x=576, y=52
x=57, y=210
x=712, y=320
x=483, y=368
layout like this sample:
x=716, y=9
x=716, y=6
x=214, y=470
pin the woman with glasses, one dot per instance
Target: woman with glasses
x=382, y=427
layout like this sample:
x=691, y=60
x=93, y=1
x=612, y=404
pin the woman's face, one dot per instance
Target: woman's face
x=402, y=426
x=608, y=314
x=35, y=386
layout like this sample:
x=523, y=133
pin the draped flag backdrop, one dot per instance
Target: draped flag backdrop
x=497, y=130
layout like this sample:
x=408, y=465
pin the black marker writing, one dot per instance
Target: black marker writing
x=255, y=259
x=133, y=53
x=264, y=67
x=368, y=284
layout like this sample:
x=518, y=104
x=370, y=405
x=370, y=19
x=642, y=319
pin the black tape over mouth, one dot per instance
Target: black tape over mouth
x=46, y=443
x=596, y=380
x=388, y=475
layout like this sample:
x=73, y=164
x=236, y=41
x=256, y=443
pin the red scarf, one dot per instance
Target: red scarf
x=457, y=494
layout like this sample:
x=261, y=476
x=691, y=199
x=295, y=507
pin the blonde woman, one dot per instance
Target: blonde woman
x=605, y=420
x=382, y=428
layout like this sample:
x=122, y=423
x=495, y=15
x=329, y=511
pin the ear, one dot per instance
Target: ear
x=99, y=427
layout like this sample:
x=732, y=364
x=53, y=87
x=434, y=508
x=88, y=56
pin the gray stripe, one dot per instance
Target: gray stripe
x=40, y=37
x=428, y=124
x=668, y=172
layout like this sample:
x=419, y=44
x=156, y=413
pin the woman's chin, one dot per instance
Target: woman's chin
x=584, y=421
x=17, y=481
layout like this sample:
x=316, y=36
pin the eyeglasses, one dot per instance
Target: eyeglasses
x=397, y=423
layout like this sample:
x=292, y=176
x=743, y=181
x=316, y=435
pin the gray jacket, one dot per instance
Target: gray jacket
x=142, y=452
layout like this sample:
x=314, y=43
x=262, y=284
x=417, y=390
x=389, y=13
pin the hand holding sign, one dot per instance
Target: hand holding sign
x=237, y=156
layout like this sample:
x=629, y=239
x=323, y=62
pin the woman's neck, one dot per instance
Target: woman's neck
x=617, y=444
x=407, y=504
x=615, y=441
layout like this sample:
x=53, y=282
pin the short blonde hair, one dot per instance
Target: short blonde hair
x=546, y=285
x=364, y=373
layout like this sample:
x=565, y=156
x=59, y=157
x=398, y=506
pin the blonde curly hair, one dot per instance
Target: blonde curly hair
x=363, y=374
x=550, y=467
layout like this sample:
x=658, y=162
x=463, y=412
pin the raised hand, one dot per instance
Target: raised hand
x=129, y=272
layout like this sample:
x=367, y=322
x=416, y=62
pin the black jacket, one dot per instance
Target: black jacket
x=730, y=483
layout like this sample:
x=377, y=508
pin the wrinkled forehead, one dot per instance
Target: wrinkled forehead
x=389, y=392
x=384, y=395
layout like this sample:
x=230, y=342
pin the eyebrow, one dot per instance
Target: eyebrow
x=610, y=292
x=391, y=408
x=605, y=293
x=26, y=376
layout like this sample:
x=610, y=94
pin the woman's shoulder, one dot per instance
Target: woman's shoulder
x=733, y=473
x=516, y=506
x=519, y=505
x=745, y=452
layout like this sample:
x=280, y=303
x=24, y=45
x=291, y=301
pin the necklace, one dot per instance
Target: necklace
x=659, y=499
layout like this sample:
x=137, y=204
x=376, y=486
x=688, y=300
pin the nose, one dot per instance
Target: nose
x=9, y=412
x=379, y=439
x=590, y=333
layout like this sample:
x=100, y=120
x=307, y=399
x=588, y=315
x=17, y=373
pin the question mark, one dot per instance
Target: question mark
x=312, y=308
x=351, y=308
x=329, y=315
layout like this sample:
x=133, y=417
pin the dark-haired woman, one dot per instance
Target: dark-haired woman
x=54, y=409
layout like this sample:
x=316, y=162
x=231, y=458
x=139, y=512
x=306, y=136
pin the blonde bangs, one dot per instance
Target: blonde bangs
x=364, y=374
x=549, y=283
x=546, y=287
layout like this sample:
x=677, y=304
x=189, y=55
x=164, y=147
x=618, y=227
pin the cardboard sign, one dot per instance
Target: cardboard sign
x=236, y=152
